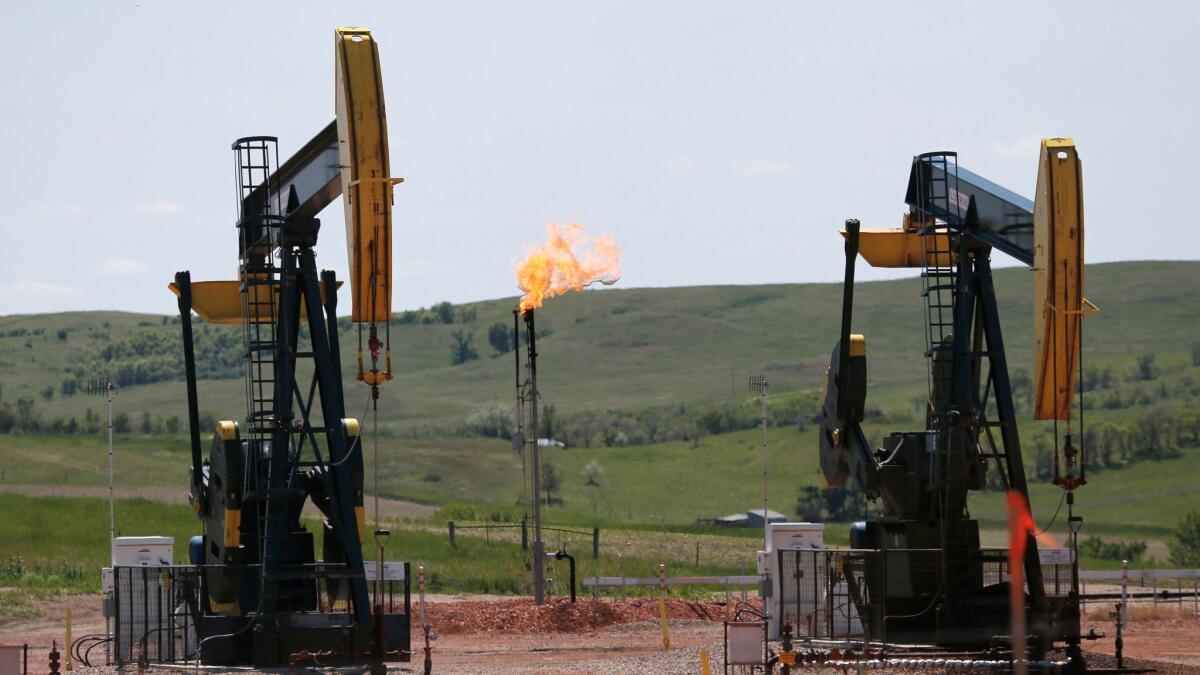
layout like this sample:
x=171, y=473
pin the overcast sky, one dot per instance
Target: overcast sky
x=717, y=142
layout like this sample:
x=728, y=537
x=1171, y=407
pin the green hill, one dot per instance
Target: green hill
x=609, y=349
x=621, y=367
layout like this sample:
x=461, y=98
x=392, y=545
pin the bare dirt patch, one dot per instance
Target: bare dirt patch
x=493, y=634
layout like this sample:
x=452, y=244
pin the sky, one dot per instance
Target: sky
x=717, y=142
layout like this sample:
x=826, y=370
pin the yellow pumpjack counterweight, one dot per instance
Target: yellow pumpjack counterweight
x=358, y=138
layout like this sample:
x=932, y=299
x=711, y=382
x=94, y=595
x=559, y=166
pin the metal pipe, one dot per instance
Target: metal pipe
x=183, y=281
x=539, y=547
x=843, y=374
x=559, y=555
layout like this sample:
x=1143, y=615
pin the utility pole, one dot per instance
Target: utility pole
x=759, y=383
x=108, y=390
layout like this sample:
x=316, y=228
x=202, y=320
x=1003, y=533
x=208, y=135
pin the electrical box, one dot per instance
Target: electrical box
x=141, y=608
x=131, y=551
x=787, y=537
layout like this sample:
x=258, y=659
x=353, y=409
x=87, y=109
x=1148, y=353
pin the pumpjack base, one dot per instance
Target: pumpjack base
x=326, y=638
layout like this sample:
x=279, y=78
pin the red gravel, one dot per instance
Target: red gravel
x=558, y=615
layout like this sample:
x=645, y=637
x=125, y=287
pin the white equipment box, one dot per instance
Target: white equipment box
x=143, y=602
x=128, y=551
x=786, y=537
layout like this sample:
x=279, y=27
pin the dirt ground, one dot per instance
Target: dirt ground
x=489, y=634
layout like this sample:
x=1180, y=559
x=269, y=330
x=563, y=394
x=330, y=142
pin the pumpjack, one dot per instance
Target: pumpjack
x=263, y=593
x=924, y=574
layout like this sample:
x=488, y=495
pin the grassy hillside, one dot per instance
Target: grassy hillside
x=644, y=353
x=666, y=484
x=611, y=348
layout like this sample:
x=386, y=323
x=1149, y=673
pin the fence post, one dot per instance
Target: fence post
x=524, y=534
x=1195, y=595
x=662, y=606
x=1124, y=618
x=452, y=534
x=595, y=543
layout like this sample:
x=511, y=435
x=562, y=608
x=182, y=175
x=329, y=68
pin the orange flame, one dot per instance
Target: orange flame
x=568, y=261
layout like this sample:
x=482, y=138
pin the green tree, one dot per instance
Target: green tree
x=491, y=421
x=710, y=422
x=551, y=482
x=548, y=421
x=500, y=337
x=445, y=312
x=174, y=424
x=592, y=471
x=91, y=422
x=1144, y=368
x=1112, y=550
x=27, y=418
x=1185, y=550
x=147, y=424
x=1021, y=385
x=62, y=334
x=463, y=349
x=121, y=424
x=47, y=393
x=809, y=502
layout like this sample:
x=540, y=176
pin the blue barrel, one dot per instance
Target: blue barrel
x=196, y=550
x=858, y=535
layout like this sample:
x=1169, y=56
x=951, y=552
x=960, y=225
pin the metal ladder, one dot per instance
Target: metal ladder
x=942, y=214
x=939, y=213
x=259, y=229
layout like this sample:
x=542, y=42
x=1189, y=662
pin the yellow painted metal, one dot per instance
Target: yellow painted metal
x=360, y=517
x=899, y=248
x=1058, y=299
x=221, y=301
x=228, y=430
x=662, y=620
x=858, y=345
x=366, y=180
x=351, y=426
x=221, y=607
x=70, y=665
x=233, y=528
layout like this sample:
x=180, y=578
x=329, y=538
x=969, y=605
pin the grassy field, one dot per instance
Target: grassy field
x=664, y=486
x=627, y=348
x=59, y=545
x=602, y=351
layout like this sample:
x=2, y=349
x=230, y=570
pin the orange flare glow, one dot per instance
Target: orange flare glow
x=568, y=261
x=1047, y=540
x=1020, y=524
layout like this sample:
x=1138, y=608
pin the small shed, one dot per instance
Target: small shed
x=732, y=520
x=751, y=518
x=754, y=518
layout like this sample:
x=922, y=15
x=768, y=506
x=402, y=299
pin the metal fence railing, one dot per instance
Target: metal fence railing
x=158, y=611
x=846, y=593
